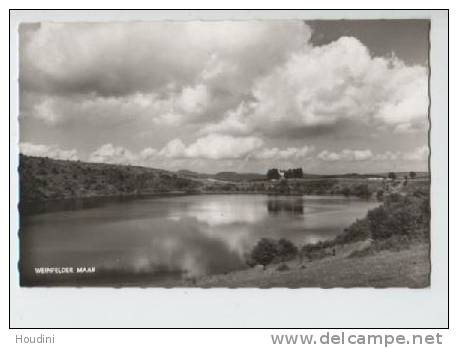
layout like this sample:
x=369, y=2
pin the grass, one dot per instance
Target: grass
x=387, y=268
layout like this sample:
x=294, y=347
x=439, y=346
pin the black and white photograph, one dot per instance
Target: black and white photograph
x=225, y=154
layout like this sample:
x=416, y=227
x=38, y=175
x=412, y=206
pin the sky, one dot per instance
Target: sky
x=246, y=96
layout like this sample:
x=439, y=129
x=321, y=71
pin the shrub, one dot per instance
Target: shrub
x=400, y=215
x=359, y=230
x=264, y=251
x=286, y=249
x=283, y=267
x=362, y=190
x=267, y=251
x=346, y=191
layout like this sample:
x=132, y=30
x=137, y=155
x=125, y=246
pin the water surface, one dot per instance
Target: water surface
x=156, y=240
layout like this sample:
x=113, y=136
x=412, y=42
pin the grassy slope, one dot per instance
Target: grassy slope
x=405, y=268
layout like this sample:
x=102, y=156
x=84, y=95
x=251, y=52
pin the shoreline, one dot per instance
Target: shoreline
x=87, y=202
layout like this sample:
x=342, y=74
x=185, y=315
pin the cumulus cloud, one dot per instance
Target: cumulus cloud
x=174, y=72
x=213, y=146
x=285, y=154
x=57, y=110
x=202, y=92
x=125, y=58
x=109, y=153
x=255, y=75
x=321, y=86
x=51, y=151
x=418, y=154
x=387, y=156
x=346, y=155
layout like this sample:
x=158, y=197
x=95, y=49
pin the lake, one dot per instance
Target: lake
x=154, y=241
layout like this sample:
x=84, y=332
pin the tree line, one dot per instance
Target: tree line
x=275, y=174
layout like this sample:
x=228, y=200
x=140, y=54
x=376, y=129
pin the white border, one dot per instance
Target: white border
x=311, y=308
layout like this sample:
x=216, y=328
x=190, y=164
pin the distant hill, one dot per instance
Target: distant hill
x=222, y=176
x=43, y=179
x=235, y=177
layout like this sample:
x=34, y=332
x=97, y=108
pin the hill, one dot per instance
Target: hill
x=43, y=179
x=237, y=177
x=388, y=268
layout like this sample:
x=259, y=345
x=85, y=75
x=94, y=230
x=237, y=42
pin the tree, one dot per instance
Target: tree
x=294, y=173
x=412, y=175
x=273, y=174
x=392, y=175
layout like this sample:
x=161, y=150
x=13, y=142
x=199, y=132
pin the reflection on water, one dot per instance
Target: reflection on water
x=150, y=241
x=291, y=206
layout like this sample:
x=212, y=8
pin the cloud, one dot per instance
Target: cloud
x=170, y=109
x=421, y=153
x=174, y=149
x=57, y=110
x=286, y=154
x=324, y=85
x=226, y=147
x=418, y=154
x=125, y=58
x=213, y=146
x=148, y=153
x=51, y=151
x=213, y=95
x=174, y=72
x=346, y=155
x=387, y=156
x=233, y=77
x=185, y=106
x=109, y=153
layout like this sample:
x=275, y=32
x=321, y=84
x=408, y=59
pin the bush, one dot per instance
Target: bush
x=359, y=230
x=267, y=251
x=399, y=216
x=346, y=191
x=397, y=223
x=264, y=252
x=283, y=267
x=362, y=190
x=286, y=249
